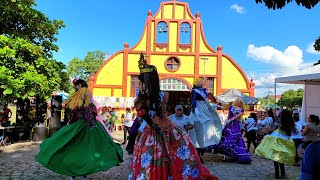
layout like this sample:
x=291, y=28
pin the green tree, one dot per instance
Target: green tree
x=78, y=68
x=27, y=40
x=268, y=101
x=279, y=4
x=291, y=98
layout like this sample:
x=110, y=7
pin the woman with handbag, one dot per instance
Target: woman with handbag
x=251, y=130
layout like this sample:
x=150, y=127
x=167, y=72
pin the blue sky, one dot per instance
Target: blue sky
x=265, y=43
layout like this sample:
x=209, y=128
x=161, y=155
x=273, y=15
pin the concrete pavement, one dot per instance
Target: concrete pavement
x=17, y=163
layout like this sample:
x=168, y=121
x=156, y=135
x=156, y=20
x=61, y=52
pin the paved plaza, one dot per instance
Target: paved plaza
x=17, y=163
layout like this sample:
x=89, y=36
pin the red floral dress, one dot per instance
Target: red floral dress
x=168, y=156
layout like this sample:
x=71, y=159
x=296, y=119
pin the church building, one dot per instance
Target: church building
x=173, y=40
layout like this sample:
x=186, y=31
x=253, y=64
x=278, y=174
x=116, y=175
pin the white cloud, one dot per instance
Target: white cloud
x=238, y=9
x=264, y=84
x=283, y=63
x=288, y=60
x=310, y=49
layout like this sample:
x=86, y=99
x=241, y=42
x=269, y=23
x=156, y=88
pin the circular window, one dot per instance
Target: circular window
x=172, y=64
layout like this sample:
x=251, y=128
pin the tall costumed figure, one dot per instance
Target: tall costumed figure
x=207, y=123
x=162, y=150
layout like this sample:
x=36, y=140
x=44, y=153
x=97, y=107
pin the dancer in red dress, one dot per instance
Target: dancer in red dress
x=162, y=150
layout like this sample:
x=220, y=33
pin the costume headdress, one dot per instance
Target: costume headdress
x=80, y=98
x=143, y=65
x=74, y=81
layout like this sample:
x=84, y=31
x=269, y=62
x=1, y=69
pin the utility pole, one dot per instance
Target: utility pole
x=204, y=67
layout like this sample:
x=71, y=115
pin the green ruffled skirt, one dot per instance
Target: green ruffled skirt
x=77, y=150
x=277, y=147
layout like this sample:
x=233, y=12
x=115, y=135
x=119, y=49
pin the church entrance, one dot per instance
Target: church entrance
x=179, y=93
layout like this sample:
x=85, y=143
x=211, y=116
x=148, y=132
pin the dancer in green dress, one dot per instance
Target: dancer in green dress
x=82, y=147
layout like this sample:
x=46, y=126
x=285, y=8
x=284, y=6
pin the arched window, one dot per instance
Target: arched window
x=173, y=85
x=162, y=32
x=185, y=34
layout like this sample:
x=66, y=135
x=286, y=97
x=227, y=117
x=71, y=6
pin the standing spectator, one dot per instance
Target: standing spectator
x=180, y=119
x=251, y=130
x=260, y=122
x=312, y=131
x=301, y=121
x=112, y=119
x=297, y=138
x=105, y=116
x=6, y=113
x=128, y=121
x=268, y=121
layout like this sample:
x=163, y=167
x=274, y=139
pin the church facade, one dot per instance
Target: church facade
x=173, y=40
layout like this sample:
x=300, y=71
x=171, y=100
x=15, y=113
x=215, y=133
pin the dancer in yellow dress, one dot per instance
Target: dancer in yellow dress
x=278, y=146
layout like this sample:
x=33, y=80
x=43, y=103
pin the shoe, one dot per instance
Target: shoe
x=283, y=177
x=296, y=164
x=276, y=176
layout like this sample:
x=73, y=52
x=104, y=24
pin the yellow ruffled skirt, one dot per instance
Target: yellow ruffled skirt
x=277, y=147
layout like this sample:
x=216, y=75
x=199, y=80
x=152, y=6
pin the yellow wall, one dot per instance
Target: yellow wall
x=203, y=47
x=168, y=11
x=179, y=11
x=133, y=62
x=231, y=77
x=102, y=92
x=143, y=44
x=117, y=92
x=211, y=65
x=186, y=67
x=190, y=80
x=111, y=73
x=173, y=37
x=188, y=16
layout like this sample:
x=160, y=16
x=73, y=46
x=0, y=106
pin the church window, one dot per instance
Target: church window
x=134, y=86
x=162, y=33
x=172, y=64
x=185, y=34
x=173, y=85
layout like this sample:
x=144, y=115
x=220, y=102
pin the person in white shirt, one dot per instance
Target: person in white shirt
x=105, y=116
x=260, y=122
x=268, y=121
x=180, y=119
x=128, y=121
x=297, y=138
x=301, y=121
x=251, y=130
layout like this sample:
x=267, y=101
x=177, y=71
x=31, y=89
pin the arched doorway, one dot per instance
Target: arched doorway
x=179, y=93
